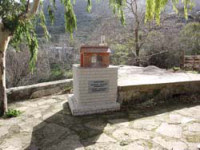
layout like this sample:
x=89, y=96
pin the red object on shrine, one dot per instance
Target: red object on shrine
x=95, y=56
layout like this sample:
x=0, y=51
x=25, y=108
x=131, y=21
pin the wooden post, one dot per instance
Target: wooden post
x=182, y=59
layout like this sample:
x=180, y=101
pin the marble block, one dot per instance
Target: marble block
x=95, y=90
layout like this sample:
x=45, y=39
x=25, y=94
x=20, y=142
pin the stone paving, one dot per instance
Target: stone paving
x=47, y=124
x=132, y=75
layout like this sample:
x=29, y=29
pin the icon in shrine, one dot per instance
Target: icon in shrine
x=95, y=56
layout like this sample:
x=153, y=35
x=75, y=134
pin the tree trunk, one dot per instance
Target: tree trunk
x=136, y=42
x=137, y=48
x=4, y=40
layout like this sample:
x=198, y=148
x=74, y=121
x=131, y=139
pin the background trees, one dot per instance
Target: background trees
x=18, y=20
x=190, y=38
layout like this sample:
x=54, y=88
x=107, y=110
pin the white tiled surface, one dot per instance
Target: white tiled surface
x=132, y=75
x=85, y=102
x=83, y=75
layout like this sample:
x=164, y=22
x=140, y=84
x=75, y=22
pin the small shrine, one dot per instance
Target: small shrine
x=95, y=56
x=94, y=82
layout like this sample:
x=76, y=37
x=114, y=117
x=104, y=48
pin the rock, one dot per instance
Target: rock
x=146, y=124
x=102, y=138
x=96, y=124
x=189, y=112
x=3, y=131
x=171, y=145
x=119, y=122
x=38, y=90
x=176, y=118
x=12, y=143
x=194, y=127
x=104, y=146
x=48, y=134
x=153, y=70
x=85, y=132
x=170, y=130
x=67, y=143
x=116, y=130
x=192, y=137
x=134, y=146
x=48, y=115
x=193, y=146
x=28, y=124
x=48, y=102
x=186, y=120
x=129, y=134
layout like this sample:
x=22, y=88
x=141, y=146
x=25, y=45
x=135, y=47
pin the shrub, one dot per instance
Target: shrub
x=120, y=55
x=12, y=113
x=69, y=74
x=190, y=38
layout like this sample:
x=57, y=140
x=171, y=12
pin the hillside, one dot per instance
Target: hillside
x=100, y=14
x=86, y=22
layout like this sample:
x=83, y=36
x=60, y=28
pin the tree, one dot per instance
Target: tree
x=153, y=11
x=138, y=17
x=18, y=18
x=190, y=38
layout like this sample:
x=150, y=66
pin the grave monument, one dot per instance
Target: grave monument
x=94, y=82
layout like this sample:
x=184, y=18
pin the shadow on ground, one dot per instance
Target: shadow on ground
x=62, y=131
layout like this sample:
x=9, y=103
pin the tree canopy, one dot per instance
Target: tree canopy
x=20, y=21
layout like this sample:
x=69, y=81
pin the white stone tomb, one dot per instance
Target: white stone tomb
x=95, y=90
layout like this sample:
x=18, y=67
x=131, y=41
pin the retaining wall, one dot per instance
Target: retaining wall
x=157, y=92
x=134, y=93
x=39, y=90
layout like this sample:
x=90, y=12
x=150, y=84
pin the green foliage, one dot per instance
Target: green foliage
x=190, y=38
x=176, y=69
x=12, y=113
x=58, y=73
x=193, y=71
x=155, y=7
x=25, y=31
x=51, y=14
x=156, y=92
x=42, y=20
x=120, y=55
x=12, y=12
x=89, y=5
x=53, y=2
x=70, y=18
x=118, y=8
x=69, y=74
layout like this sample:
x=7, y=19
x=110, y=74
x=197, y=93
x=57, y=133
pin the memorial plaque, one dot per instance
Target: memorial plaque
x=98, y=86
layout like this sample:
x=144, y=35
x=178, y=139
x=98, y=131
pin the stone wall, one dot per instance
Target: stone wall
x=126, y=93
x=94, y=90
x=82, y=76
x=39, y=90
x=154, y=93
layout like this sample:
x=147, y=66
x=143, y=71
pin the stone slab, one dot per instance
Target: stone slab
x=79, y=109
x=152, y=75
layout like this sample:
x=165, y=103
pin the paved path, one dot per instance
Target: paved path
x=132, y=75
x=47, y=124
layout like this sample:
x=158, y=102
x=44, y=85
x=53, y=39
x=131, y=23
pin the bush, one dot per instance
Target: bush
x=190, y=38
x=120, y=55
x=69, y=74
x=12, y=113
x=162, y=50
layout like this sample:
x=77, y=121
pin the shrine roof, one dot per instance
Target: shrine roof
x=95, y=49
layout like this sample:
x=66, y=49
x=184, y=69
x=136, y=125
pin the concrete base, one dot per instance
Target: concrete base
x=82, y=109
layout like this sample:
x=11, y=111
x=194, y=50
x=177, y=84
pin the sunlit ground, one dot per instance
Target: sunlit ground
x=46, y=123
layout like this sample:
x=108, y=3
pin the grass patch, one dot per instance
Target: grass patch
x=176, y=69
x=12, y=113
